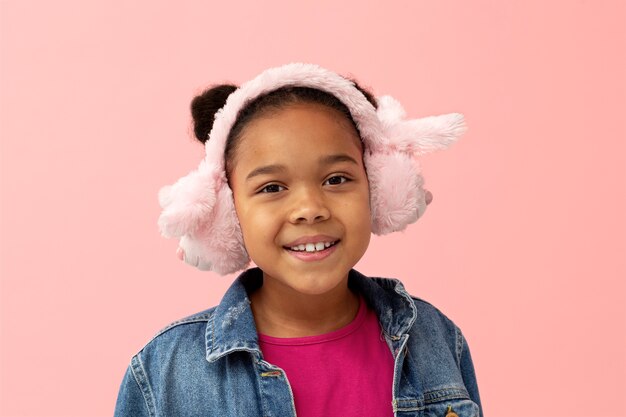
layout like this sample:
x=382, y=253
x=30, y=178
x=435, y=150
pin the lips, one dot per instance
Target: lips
x=313, y=256
x=312, y=248
x=311, y=239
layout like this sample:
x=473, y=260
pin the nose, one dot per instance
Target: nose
x=309, y=207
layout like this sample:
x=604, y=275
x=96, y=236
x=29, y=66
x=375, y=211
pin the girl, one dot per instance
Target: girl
x=301, y=166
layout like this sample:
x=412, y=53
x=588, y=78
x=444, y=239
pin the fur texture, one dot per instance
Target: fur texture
x=199, y=208
x=188, y=202
x=217, y=244
x=396, y=195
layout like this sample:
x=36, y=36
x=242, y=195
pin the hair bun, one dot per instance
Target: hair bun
x=204, y=107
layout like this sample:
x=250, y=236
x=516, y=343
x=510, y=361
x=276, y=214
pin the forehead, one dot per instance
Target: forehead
x=297, y=132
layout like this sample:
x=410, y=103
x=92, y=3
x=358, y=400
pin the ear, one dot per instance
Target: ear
x=188, y=202
x=428, y=134
x=389, y=111
x=418, y=136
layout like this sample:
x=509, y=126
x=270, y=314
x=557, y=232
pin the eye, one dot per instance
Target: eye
x=336, y=180
x=271, y=188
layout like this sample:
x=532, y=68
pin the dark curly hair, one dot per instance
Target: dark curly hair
x=205, y=106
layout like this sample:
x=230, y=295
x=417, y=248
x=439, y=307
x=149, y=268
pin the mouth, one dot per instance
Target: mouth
x=312, y=251
x=312, y=247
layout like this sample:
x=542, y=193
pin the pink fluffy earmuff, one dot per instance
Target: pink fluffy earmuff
x=199, y=208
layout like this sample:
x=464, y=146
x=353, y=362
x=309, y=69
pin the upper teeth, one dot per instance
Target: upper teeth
x=312, y=247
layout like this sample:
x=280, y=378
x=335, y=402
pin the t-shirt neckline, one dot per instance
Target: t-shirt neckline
x=321, y=338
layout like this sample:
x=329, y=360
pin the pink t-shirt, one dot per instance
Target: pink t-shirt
x=347, y=372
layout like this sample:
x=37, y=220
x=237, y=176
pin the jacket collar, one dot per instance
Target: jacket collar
x=231, y=327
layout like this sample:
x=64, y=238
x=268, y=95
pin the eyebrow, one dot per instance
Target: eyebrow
x=267, y=169
x=325, y=160
x=334, y=159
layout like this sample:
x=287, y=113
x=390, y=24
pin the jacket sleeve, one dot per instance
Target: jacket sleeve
x=468, y=373
x=130, y=399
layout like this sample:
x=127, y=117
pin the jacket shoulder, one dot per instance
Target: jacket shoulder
x=189, y=330
x=428, y=310
x=445, y=335
x=193, y=319
x=390, y=293
x=173, y=361
x=432, y=323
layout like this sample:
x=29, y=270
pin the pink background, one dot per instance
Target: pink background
x=523, y=246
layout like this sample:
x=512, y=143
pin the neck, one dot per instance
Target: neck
x=279, y=311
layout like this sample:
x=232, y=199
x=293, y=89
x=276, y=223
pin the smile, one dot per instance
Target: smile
x=312, y=247
x=312, y=252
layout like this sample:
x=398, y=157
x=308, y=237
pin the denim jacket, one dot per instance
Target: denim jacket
x=210, y=363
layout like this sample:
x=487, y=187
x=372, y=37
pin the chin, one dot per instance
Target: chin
x=318, y=283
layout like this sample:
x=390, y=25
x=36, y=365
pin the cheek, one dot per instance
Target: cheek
x=359, y=226
x=257, y=223
x=365, y=216
x=362, y=206
x=242, y=209
x=355, y=212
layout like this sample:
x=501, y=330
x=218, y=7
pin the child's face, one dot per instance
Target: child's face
x=298, y=174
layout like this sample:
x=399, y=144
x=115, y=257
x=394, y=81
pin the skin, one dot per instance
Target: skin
x=305, y=196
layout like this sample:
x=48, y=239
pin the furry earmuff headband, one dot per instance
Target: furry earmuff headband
x=199, y=208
